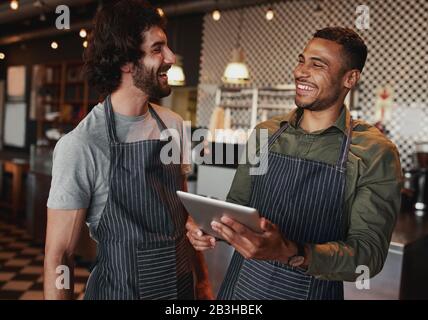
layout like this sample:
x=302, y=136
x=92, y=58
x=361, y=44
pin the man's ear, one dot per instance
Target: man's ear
x=351, y=78
x=127, y=68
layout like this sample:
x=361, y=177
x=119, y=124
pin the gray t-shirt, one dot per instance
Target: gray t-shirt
x=81, y=159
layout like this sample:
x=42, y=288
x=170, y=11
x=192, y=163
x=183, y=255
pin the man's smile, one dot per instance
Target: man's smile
x=305, y=88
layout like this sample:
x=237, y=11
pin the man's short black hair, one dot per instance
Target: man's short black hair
x=352, y=44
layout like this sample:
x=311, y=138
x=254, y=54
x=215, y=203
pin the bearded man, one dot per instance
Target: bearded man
x=108, y=173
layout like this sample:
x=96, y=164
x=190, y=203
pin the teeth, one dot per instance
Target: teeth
x=303, y=87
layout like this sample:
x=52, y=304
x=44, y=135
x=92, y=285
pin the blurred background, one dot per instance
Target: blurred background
x=234, y=69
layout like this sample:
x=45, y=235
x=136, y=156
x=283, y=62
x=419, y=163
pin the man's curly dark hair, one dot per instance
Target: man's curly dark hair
x=116, y=39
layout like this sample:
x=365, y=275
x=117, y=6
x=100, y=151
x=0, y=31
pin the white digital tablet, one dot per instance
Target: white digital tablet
x=204, y=210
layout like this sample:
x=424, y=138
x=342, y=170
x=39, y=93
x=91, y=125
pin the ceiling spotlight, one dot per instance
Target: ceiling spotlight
x=2, y=56
x=160, y=12
x=269, y=14
x=14, y=4
x=85, y=44
x=216, y=15
x=83, y=33
x=54, y=45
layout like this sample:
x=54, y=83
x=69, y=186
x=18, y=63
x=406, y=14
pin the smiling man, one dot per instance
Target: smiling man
x=108, y=172
x=331, y=194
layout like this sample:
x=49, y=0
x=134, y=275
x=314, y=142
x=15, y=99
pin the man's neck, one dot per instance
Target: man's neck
x=129, y=101
x=319, y=120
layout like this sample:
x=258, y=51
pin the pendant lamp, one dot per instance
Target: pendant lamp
x=236, y=71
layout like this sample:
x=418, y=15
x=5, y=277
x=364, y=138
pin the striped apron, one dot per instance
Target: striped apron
x=305, y=199
x=142, y=250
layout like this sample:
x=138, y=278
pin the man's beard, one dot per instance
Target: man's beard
x=320, y=104
x=147, y=81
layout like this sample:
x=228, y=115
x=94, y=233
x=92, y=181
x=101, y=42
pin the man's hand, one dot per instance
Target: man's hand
x=200, y=243
x=269, y=245
x=197, y=238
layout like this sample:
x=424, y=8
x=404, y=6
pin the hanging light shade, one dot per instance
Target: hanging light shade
x=236, y=71
x=176, y=74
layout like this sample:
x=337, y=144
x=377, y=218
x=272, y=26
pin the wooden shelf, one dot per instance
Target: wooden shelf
x=69, y=89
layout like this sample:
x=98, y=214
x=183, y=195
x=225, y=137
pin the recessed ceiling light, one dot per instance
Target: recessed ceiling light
x=54, y=45
x=269, y=15
x=14, y=4
x=216, y=15
x=83, y=33
x=160, y=12
x=2, y=56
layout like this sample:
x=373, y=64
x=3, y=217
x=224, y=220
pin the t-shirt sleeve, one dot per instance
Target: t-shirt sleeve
x=73, y=173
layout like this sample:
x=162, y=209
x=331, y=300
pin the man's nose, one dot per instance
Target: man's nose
x=169, y=56
x=301, y=71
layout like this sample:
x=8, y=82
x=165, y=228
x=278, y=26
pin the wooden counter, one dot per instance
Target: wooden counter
x=16, y=164
x=411, y=231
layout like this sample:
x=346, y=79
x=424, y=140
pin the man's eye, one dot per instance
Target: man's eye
x=318, y=65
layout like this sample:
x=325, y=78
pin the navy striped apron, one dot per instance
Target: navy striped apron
x=305, y=199
x=142, y=251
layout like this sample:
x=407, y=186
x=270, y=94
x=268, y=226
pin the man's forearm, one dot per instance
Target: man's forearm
x=58, y=277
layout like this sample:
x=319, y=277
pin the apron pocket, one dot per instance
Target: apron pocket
x=157, y=273
x=263, y=280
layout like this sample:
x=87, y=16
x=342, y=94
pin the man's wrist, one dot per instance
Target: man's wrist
x=290, y=249
x=297, y=254
x=307, y=256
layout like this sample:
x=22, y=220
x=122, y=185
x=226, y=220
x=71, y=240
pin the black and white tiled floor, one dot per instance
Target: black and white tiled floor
x=21, y=266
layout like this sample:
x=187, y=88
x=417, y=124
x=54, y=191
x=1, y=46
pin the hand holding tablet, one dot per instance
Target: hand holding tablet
x=204, y=210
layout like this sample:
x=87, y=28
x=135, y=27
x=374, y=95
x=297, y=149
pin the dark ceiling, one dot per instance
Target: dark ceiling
x=36, y=18
x=43, y=16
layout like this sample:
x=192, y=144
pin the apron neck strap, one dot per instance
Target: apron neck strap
x=111, y=125
x=158, y=118
x=276, y=135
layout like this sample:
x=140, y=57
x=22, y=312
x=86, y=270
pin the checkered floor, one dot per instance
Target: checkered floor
x=21, y=267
